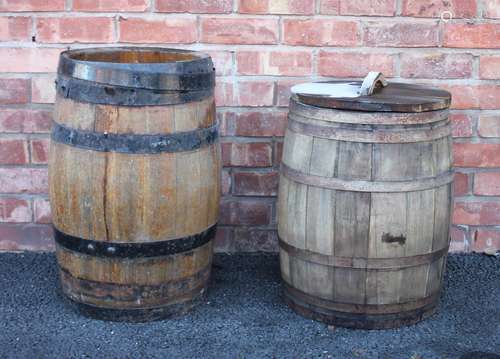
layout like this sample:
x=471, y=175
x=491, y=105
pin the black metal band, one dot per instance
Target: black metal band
x=98, y=93
x=125, y=143
x=133, y=250
x=155, y=68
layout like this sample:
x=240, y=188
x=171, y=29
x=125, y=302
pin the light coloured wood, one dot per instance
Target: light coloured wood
x=366, y=206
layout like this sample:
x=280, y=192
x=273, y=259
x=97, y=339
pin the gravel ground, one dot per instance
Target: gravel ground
x=243, y=317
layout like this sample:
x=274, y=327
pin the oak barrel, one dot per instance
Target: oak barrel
x=364, y=202
x=134, y=173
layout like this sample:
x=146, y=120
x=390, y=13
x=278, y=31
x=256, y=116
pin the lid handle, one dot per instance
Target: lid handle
x=372, y=81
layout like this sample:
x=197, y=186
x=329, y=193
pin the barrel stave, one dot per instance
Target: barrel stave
x=378, y=247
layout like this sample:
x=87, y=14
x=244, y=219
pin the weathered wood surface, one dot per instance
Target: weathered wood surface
x=364, y=224
x=135, y=200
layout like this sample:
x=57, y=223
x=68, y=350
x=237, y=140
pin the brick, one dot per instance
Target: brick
x=244, y=93
x=24, y=180
x=329, y=7
x=458, y=239
x=26, y=237
x=25, y=120
x=255, y=124
x=477, y=213
x=354, y=64
x=39, y=150
x=425, y=8
x=401, y=34
x=239, y=31
x=32, y=5
x=487, y=184
x=491, y=9
x=256, y=183
x=461, y=125
x=245, y=212
x=489, y=126
x=223, y=62
x=75, y=29
x=195, y=6
x=295, y=7
x=436, y=65
x=42, y=210
x=14, y=91
x=283, y=91
x=224, y=93
x=14, y=210
x=13, y=151
x=169, y=30
x=249, y=154
x=43, y=89
x=476, y=154
x=371, y=7
x=489, y=67
x=486, y=241
x=286, y=63
x=223, y=241
x=486, y=97
x=481, y=35
x=461, y=184
x=255, y=240
x=110, y=5
x=278, y=153
x=29, y=59
x=15, y=28
x=321, y=32
x=226, y=182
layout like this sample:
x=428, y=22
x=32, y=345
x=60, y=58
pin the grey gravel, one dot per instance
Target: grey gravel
x=243, y=317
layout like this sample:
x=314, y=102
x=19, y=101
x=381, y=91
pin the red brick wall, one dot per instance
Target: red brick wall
x=260, y=48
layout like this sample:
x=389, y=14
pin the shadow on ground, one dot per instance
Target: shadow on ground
x=243, y=317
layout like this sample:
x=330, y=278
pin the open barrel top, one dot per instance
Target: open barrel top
x=140, y=67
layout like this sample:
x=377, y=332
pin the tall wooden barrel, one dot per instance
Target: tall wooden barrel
x=364, y=202
x=134, y=180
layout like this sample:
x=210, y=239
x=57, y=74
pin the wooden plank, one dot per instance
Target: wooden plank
x=352, y=224
x=350, y=285
x=420, y=222
x=320, y=219
x=282, y=208
x=388, y=230
x=442, y=213
x=354, y=160
x=323, y=157
x=79, y=115
x=396, y=162
x=297, y=151
x=296, y=208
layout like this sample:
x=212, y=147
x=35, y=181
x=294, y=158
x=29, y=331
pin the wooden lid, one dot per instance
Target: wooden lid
x=373, y=94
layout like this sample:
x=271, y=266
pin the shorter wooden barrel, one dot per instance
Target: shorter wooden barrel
x=363, y=212
x=134, y=180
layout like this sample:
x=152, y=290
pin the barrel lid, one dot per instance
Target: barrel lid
x=372, y=94
x=151, y=68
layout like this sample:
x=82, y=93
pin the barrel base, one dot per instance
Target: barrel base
x=357, y=320
x=138, y=315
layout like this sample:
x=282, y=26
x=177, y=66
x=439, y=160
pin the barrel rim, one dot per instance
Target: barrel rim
x=179, y=75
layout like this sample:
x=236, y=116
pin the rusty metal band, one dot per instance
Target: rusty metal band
x=192, y=72
x=418, y=184
x=359, y=320
x=362, y=263
x=356, y=308
x=367, y=118
x=93, y=92
x=368, y=135
x=134, y=249
x=135, y=143
x=139, y=314
x=130, y=294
